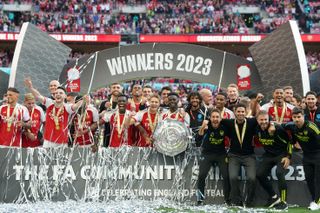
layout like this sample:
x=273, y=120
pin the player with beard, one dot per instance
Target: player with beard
x=278, y=150
x=121, y=132
x=13, y=118
x=288, y=94
x=308, y=136
x=220, y=102
x=197, y=112
x=32, y=136
x=241, y=131
x=147, y=120
x=278, y=109
x=107, y=106
x=312, y=111
x=213, y=152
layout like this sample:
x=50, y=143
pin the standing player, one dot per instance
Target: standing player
x=147, y=120
x=174, y=112
x=108, y=105
x=13, y=117
x=121, y=133
x=308, y=136
x=279, y=110
x=37, y=117
x=57, y=116
x=197, y=112
x=220, y=102
x=241, y=131
x=85, y=124
x=312, y=111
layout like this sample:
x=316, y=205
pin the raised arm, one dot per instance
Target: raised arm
x=36, y=93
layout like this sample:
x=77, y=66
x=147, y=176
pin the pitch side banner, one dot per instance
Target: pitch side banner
x=123, y=173
x=183, y=61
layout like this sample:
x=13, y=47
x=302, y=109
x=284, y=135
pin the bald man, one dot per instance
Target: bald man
x=207, y=97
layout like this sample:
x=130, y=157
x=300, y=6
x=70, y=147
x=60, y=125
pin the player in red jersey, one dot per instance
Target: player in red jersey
x=13, y=118
x=121, y=132
x=278, y=109
x=57, y=116
x=220, y=102
x=174, y=112
x=85, y=124
x=30, y=138
x=147, y=120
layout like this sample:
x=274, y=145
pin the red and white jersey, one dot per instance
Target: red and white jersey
x=119, y=134
x=281, y=114
x=134, y=108
x=176, y=116
x=10, y=132
x=37, y=117
x=227, y=114
x=91, y=116
x=52, y=132
x=148, y=121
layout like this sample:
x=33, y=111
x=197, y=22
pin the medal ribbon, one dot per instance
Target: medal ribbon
x=154, y=123
x=242, y=132
x=10, y=118
x=284, y=107
x=56, y=116
x=120, y=126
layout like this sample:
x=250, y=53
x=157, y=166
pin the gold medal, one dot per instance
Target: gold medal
x=56, y=117
x=243, y=132
x=8, y=129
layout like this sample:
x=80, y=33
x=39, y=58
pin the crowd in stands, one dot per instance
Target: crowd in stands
x=170, y=17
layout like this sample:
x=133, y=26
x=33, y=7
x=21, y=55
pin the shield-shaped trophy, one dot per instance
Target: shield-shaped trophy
x=171, y=137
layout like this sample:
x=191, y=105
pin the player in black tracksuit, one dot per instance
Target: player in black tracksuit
x=278, y=150
x=308, y=136
x=213, y=152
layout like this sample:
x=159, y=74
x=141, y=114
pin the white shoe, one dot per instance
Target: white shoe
x=314, y=206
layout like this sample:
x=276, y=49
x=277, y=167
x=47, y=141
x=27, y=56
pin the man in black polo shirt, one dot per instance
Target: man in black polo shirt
x=278, y=150
x=241, y=153
x=213, y=151
x=308, y=136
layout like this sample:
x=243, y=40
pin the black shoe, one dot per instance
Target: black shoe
x=281, y=206
x=274, y=201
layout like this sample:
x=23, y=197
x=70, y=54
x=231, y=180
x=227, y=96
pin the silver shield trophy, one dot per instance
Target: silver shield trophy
x=171, y=137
